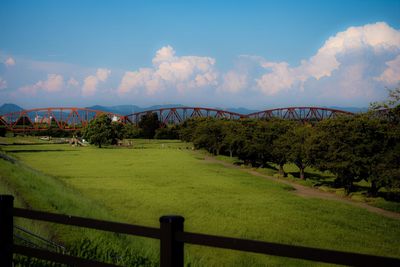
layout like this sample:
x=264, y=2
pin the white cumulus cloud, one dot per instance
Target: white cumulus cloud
x=90, y=83
x=54, y=83
x=102, y=74
x=3, y=84
x=10, y=62
x=170, y=71
x=233, y=81
x=378, y=38
x=391, y=75
x=280, y=77
x=72, y=82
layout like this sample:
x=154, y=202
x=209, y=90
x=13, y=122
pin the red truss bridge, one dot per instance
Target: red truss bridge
x=73, y=118
x=41, y=119
x=179, y=114
x=299, y=113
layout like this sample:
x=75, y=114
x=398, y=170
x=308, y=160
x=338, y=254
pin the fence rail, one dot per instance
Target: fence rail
x=172, y=239
x=36, y=241
x=121, y=228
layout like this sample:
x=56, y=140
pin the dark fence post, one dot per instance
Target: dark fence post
x=171, y=251
x=6, y=230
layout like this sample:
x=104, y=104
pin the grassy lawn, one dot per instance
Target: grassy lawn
x=21, y=140
x=153, y=178
x=324, y=181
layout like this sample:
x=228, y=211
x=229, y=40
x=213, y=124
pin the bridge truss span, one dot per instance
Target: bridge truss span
x=305, y=114
x=178, y=115
x=73, y=118
x=63, y=118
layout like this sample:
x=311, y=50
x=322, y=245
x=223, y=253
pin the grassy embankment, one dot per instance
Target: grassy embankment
x=325, y=181
x=163, y=177
x=33, y=189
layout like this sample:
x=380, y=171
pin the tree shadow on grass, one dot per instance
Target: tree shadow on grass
x=268, y=166
x=390, y=195
x=316, y=178
x=360, y=188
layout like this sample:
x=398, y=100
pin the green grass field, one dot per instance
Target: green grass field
x=324, y=181
x=154, y=178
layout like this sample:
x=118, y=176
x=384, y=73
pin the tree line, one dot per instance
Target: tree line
x=353, y=148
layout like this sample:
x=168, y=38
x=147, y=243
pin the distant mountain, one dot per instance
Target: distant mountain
x=98, y=107
x=243, y=111
x=129, y=109
x=8, y=107
x=121, y=109
x=125, y=109
x=349, y=109
x=163, y=106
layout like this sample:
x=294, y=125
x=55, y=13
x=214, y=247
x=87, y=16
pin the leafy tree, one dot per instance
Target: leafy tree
x=298, y=140
x=117, y=132
x=188, y=128
x=262, y=142
x=209, y=134
x=233, y=133
x=280, y=145
x=333, y=149
x=385, y=170
x=131, y=131
x=352, y=148
x=392, y=101
x=100, y=131
x=245, y=144
x=149, y=123
x=168, y=132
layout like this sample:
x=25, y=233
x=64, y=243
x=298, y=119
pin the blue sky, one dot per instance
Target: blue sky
x=255, y=54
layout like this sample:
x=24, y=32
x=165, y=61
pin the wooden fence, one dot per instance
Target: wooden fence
x=172, y=239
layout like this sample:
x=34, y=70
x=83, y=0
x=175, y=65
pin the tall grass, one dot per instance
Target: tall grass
x=33, y=189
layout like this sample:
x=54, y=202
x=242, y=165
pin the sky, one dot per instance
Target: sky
x=253, y=54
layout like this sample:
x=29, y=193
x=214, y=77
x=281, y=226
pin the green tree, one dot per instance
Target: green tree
x=280, y=145
x=117, y=132
x=188, y=128
x=392, y=101
x=246, y=146
x=261, y=143
x=209, y=134
x=149, y=123
x=298, y=140
x=385, y=170
x=233, y=132
x=100, y=131
x=131, y=131
x=352, y=148
x=167, y=132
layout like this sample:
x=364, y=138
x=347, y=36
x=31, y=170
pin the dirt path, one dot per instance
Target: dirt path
x=305, y=191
